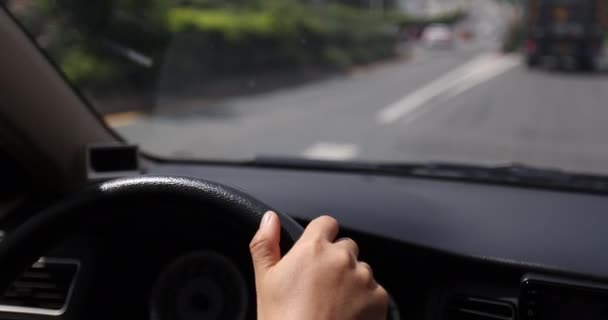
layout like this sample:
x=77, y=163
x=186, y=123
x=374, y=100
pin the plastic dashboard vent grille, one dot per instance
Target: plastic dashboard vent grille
x=43, y=288
x=472, y=308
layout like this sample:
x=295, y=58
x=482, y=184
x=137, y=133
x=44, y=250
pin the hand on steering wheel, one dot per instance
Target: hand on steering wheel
x=319, y=278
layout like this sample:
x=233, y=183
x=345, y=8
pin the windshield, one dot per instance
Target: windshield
x=469, y=81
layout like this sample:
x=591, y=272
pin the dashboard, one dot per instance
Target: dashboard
x=444, y=250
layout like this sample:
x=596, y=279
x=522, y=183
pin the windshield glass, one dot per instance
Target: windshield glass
x=468, y=81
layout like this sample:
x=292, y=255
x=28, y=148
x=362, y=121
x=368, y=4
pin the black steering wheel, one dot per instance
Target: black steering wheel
x=23, y=246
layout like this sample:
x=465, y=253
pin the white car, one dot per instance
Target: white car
x=438, y=36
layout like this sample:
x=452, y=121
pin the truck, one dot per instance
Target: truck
x=566, y=30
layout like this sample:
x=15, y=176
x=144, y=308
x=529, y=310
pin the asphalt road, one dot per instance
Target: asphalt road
x=468, y=104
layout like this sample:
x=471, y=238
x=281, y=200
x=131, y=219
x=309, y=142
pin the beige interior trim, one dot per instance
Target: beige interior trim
x=44, y=110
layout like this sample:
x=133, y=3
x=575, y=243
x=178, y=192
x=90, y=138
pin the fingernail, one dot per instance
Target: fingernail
x=266, y=218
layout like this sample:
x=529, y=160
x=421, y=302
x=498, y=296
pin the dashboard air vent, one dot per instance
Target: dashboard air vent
x=44, y=288
x=473, y=308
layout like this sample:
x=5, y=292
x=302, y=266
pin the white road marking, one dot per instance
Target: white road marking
x=479, y=77
x=331, y=151
x=470, y=74
x=425, y=94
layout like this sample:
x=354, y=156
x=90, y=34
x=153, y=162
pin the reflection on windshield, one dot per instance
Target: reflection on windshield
x=468, y=81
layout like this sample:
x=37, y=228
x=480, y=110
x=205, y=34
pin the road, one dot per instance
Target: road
x=469, y=104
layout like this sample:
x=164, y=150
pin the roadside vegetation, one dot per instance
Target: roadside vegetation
x=130, y=40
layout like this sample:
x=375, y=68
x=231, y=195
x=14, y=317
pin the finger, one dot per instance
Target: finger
x=366, y=267
x=378, y=304
x=349, y=245
x=264, y=247
x=324, y=227
x=381, y=296
x=366, y=274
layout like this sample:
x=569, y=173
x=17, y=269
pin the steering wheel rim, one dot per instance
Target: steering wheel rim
x=23, y=246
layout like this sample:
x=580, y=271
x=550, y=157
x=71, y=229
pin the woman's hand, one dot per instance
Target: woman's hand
x=318, y=279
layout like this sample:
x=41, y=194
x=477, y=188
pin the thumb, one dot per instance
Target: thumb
x=264, y=246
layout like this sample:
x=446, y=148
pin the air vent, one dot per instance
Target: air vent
x=473, y=308
x=44, y=288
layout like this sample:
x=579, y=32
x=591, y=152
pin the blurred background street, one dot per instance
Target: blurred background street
x=466, y=103
x=454, y=87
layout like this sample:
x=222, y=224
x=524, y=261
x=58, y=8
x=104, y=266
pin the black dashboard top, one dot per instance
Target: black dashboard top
x=538, y=229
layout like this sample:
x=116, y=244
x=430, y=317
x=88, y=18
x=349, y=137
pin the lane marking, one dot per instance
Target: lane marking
x=477, y=78
x=467, y=76
x=122, y=119
x=425, y=94
x=331, y=151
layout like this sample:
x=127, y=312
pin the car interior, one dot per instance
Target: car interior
x=94, y=228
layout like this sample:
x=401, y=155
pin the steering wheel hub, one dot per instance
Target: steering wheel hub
x=200, y=285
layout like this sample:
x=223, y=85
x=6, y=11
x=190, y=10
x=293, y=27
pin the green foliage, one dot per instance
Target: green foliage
x=337, y=56
x=217, y=37
x=281, y=35
x=232, y=23
x=84, y=68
